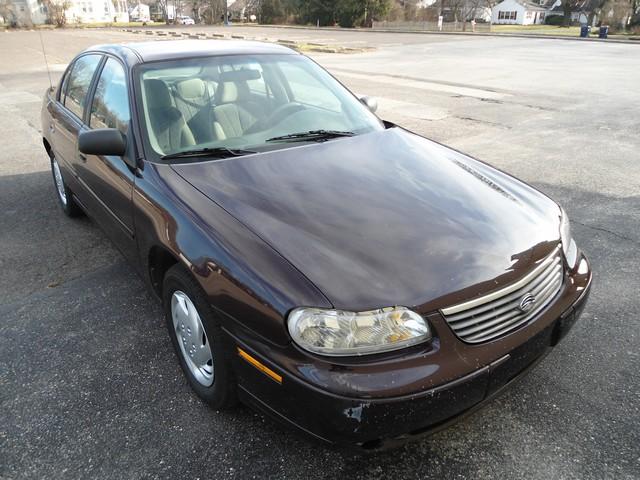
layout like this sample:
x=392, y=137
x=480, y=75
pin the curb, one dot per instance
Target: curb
x=311, y=47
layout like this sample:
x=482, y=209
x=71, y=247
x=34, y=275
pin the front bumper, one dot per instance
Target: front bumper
x=373, y=423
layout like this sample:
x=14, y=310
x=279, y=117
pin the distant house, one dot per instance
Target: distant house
x=120, y=10
x=95, y=11
x=241, y=10
x=518, y=12
x=34, y=12
x=24, y=13
x=140, y=13
x=530, y=12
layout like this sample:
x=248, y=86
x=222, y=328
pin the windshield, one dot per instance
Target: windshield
x=244, y=102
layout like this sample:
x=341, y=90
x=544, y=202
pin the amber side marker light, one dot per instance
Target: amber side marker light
x=263, y=368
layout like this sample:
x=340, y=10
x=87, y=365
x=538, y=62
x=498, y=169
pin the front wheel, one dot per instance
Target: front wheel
x=64, y=194
x=198, y=339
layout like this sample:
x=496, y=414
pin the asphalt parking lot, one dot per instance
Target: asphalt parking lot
x=90, y=387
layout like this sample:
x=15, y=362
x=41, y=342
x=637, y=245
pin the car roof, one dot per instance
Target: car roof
x=142, y=52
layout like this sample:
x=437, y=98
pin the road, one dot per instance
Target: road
x=90, y=387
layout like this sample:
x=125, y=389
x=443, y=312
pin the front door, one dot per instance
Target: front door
x=110, y=179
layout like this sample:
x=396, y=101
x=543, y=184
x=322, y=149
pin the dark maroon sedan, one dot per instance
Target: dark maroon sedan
x=339, y=273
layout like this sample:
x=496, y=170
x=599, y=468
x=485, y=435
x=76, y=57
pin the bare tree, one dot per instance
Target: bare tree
x=56, y=11
x=617, y=13
x=470, y=10
x=455, y=7
x=567, y=7
x=5, y=10
x=212, y=10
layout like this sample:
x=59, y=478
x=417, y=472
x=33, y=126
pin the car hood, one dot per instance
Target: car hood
x=386, y=218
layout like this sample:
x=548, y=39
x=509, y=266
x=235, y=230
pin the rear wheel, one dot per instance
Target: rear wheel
x=198, y=339
x=65, y=196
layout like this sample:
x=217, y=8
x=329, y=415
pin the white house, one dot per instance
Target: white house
x=95, y=11
x=140, y=13
x=518, y=12
x=25, y=13
x=34, y=12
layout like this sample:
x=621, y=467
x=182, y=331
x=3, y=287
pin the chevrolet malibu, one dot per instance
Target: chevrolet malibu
x=337, y=272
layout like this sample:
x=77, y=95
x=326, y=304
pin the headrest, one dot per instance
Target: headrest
x=157, y=94
x=240, y=75
x=229, y=92
x=191, y=89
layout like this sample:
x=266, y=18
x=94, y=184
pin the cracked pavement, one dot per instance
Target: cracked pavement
x=90, y=387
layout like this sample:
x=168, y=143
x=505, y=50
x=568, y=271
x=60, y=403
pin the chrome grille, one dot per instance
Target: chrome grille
x=504, y=310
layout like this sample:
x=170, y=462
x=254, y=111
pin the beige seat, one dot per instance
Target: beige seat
x=169, y=129
x=235, y=111
x=193, y=97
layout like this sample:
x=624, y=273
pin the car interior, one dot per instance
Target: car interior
x=234, y=104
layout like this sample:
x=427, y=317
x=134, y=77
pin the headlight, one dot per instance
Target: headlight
x=341, y=333
x=568, y=244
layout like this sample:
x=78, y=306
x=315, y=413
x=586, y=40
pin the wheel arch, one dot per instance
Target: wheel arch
x=159, y=260
x=247, y=281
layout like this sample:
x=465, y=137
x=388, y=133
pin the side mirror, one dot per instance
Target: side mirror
x=370, y=102
x=102, y=141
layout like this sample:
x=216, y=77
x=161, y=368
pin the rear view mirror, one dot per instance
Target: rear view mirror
x=370, y=102
x=102, y=141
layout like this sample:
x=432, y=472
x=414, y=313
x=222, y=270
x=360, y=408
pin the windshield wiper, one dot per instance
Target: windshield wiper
x=218, y=152
x=319, y=135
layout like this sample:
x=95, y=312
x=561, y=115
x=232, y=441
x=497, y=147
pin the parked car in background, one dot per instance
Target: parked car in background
x=184, y=20
x=335, y=271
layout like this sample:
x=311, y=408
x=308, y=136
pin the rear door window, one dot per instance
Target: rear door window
x=78, y=82
x=110, y=106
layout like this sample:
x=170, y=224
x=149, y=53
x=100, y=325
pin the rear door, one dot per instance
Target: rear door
x=68, y=114
x=109, y=179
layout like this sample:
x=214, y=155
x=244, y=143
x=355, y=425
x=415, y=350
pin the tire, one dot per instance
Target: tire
x=63, y=193
x=215, y=385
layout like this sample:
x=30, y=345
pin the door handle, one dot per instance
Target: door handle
x=52, y=128
x=82, y=157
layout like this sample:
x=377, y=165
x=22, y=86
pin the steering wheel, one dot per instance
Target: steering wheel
x=277, y=116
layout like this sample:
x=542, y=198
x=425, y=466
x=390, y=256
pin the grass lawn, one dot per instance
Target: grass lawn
x=103, y=24
x=121, y=24
x=555, y=30
x=537, y=30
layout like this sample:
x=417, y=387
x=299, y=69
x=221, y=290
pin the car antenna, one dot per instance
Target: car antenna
x=45, y=59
